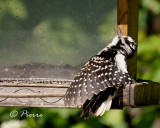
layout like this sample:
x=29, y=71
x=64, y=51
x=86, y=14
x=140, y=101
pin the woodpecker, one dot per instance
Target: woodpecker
x=95, y=85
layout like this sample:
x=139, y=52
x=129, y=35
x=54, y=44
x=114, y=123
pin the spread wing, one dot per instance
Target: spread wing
x=97, y=75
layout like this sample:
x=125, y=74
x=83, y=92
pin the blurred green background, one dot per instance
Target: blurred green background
x=55, y=32
x=61, y=32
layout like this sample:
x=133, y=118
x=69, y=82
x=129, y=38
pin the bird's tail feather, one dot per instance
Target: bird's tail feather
x=99, y=103
x=105, y=106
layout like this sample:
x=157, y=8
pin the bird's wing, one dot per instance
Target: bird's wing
x=97, y=75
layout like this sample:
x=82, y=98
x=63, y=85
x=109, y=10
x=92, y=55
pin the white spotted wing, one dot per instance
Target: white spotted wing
x=96, y=75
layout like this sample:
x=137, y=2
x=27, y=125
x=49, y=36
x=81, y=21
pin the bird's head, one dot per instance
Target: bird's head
x=124, y=44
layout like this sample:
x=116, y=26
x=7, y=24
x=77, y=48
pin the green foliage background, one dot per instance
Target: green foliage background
x=60, y=32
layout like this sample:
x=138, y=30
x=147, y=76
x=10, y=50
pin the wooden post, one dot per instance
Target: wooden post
x=127, y=20
x=141, y=94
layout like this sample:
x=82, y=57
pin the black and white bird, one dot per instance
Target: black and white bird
x=95, y=85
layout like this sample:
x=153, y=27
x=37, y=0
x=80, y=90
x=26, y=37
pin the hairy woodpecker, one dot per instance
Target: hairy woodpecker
x=95, y=85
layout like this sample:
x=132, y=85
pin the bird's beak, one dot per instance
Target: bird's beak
x=116, y=32
x=120, y=31
x=121, y=35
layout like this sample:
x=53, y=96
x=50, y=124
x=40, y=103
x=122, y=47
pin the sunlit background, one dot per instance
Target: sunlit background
x=66, y=33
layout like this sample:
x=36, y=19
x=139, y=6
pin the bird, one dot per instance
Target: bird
x=94, y=87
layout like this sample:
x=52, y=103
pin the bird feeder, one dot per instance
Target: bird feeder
x=43, y=92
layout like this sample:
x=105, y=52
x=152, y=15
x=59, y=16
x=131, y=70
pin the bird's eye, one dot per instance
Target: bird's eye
x=122, y=44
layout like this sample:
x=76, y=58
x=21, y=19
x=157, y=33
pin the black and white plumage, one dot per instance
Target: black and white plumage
x=96, y=83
